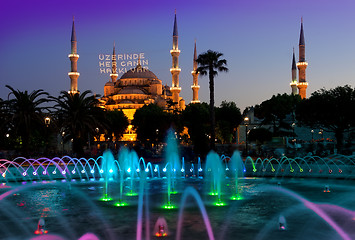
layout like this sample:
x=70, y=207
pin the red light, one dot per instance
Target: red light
x=41, y=232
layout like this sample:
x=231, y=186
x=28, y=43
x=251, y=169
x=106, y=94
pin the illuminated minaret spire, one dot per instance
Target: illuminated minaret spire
x=175, y=70
x=73, y=56
x=195, y=87
x=114, y=74
x=294, y=74
x=302, y=65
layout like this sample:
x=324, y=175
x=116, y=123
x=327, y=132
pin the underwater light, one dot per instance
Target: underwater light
x=227, y=169
x=191, y=170
x=92, y=171
x=161, y=232
x=174, y=169
x=200, y=169
x=182, y=170
x=138, y=170
x=110, y=171
x=54, y=172
x=129, y=170
x=24, y=174
x=44, y=172
x=73, y=172
x=63, y=172
x=82, y=171
x=147, y=170
x=3, y=175
x=155, y=170
x=244, y=170
x=164, y=169
x=35, y=173
x=101, y=171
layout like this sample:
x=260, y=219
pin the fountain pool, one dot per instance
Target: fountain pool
x=72, y=209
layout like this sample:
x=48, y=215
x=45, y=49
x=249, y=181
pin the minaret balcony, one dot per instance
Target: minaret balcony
x=113, y=75
x=174, y=51
x=175, y=89
x=302, y=84
x=293, y=83
x=175, y=69
x=73, y=74
x=301, y=64
x=194, y=72
x=73, y=55
x=195, y=86
x=195, y=101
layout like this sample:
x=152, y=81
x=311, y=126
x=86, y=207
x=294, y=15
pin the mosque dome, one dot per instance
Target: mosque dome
x=131, y=90
x=139, y=72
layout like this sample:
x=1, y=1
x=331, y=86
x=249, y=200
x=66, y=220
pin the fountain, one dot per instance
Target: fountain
x=63, y=193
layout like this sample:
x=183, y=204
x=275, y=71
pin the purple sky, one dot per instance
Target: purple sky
x=256, y=37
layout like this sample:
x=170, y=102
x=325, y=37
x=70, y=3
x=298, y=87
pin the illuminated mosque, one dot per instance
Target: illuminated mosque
x=139, y=86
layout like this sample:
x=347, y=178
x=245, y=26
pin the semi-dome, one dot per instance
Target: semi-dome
x=139, y=72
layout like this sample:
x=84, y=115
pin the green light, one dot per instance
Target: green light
x=213, y=193
x=236, y=197
x=173, y=192
x=219, y=203
x=131, y=194
x=169, y=206
x=106, y=199
x=121, y=204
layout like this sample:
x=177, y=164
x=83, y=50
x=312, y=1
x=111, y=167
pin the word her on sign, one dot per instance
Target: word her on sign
x=125, y=62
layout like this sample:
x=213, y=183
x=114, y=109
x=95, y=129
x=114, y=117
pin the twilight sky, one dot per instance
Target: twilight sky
x=256, y=37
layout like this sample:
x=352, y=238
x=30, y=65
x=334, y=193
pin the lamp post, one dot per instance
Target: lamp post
x=63, y=134
x=47, y=121
x=246, y=121
x=312, y=132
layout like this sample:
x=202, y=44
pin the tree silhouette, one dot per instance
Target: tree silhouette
x=210, y=63
x=331, y=110
x=24, y=113
x=79, y=116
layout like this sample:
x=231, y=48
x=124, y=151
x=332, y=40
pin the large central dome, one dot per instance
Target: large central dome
x=139, y=72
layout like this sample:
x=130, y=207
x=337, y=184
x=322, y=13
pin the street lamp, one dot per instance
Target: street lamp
x=63, y=134
x=47, y=121
x=246, y=121
x=312, y=131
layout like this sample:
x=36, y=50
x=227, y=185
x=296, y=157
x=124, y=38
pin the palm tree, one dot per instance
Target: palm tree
x=78, y=115
x=209, y=63
x=25, y=113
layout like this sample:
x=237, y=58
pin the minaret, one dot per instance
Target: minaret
x=294, y=74
x=302, y=65
x=114, y=74
x=73, y=56
x=195, y=87
x=175, y=70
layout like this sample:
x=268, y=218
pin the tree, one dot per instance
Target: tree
x=79, y=116
x=151, y=123
x=209, y=63
x=228, y=117
x=195, y=118
x=116, y=122
x=331, y=110
x=24, y=113
x=274, y=111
